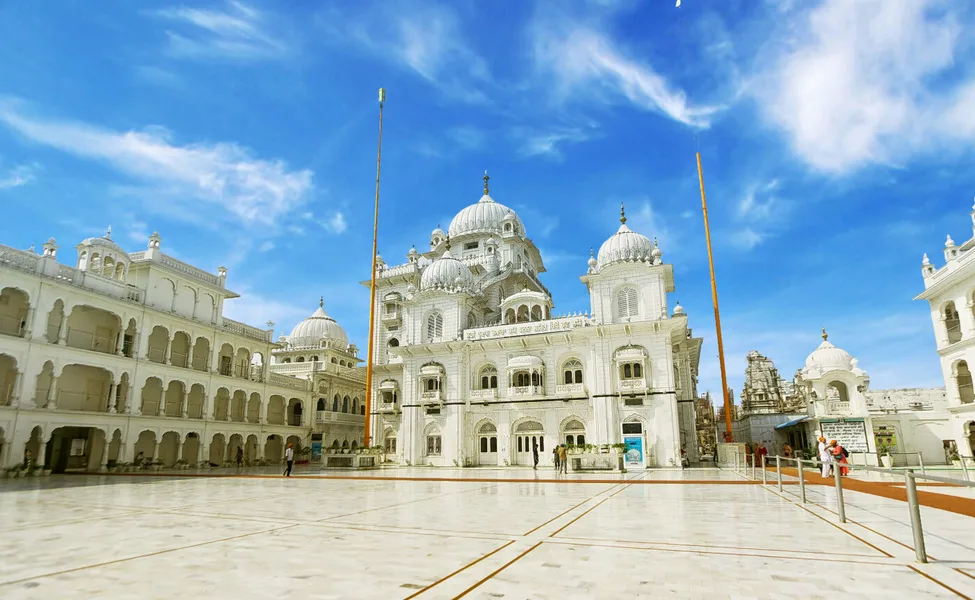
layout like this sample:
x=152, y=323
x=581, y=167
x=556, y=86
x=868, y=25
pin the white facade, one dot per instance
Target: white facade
x=129, y=353
x=950, y=291
x=471, y=367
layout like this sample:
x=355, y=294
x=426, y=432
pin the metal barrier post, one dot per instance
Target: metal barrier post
x=753, y=466
x=840, y=506
x=802, y=482
x=920, y=461
x=922, y=555
x=736, y=460
x=778, y=471
x=764, y=472
x=964, y=468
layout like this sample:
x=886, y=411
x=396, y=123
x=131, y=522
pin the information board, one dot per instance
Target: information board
x=852, y=435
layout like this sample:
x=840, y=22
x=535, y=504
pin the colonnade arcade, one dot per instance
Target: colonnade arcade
x=94, y=448
x=85, y=327
x=79, y=387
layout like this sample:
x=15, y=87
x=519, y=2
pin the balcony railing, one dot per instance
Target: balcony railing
x=837, y=407
x=388, y=407
x=89, y=341
x=633, y=385
x=11, y=326
x=570, y=389
x=288, y=382
x=488, y=394
x=433, y=397
x=525, y=390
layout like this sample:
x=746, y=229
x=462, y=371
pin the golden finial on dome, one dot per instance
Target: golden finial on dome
x=485, y=178
x=447, y=242
x=622, y=214
x=825, y=335
x=321, y=302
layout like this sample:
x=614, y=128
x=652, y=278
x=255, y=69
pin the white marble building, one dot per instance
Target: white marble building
x=471, y=367
x=950, y=291
x=125, y=354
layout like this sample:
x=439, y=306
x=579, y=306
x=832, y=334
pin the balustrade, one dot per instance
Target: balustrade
x=526, y=390
x=488, y=394
x=568, y=389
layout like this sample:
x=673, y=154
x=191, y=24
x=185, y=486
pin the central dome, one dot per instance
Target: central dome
x=446, y=273
x=625, y=245
x=487, y=216
x=317, y=328
x=828, y=357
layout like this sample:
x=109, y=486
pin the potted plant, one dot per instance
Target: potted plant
x=619, y=448
x=303, y=454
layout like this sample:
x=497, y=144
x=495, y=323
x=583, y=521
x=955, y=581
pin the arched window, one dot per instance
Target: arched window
x=393, y=342
x=627, y=304
x=963, y=378
x=489, y=378
x=572, y=371
x=471, y=320
x=321, y=404
x=300, y=359
x=355, y=406
x=677, y=383
x=314, y=359
x=345, y=404
x=632, y=370
x=434, y=327
x=334, y=362
x=335, y=403
x=952, y=323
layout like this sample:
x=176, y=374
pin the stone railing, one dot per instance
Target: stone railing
x=526, y=390
x=388, y=407
x=837, y=407
x=489, y=394
x=246, y=330
x=48, y=267
x=530, y=328
x=632, y=385
x=291, y=368
x=182, y=267
x=284, y=381
x=19, y=259
x=569, y=389
x=398, y=270
x=430, y=397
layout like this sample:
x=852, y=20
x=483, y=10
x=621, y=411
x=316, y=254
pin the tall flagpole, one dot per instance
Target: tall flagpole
x=728, y=436
x=372, y=287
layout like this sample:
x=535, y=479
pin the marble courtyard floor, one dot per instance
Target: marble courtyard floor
x=473, y=533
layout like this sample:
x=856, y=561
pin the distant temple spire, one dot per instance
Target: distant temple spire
x=622, y=214
x=486, y=178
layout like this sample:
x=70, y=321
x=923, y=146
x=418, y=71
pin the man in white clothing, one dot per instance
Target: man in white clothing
x=289, y=457
x=825, y=457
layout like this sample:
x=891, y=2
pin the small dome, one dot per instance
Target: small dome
x=487, y=216
x=446, y=273
x=625, y=245
x=437, y=232
x=592, y=261
x=105, y=242
x=828, y=357
x=317, y=328
x=679, y=310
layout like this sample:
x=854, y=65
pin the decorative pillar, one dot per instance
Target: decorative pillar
x=179, y=448
x=119, y=343
x=63, y=330
x=112, y=388
x=161, y=411
x=189, y=358
x=206, y=409
x=262, y=418
x=41, y=457
x=131, y=408
x=103, y=460
x=15, y=389
x=169, y=351
x=52, y=394
x=28, y=323
x=230, y=405
x=186, y=402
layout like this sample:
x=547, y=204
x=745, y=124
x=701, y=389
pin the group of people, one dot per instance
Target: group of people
x=560, y=456
x=830, y=453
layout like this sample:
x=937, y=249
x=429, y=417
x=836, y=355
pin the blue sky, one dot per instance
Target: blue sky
x=837, y=140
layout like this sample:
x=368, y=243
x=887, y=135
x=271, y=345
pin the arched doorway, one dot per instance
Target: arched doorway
x=527, y=435
x=487, y=445
x=574, y=433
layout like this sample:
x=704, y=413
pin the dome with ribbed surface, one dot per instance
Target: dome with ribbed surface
x=487, y=216
x=446, y=273
x=104, y=242
x=625, y=245
x=828, y=357
x=317, y=328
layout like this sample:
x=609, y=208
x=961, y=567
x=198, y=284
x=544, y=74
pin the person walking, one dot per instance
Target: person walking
x=535, y=454
x=825, y=456
x=555, y=459
x=289, y=457
x=240, y=458
x=840, y=455
x=563, y=458
x=762, y=455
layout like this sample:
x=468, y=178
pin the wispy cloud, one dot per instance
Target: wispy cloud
x=224, y=176
x=746, y=238
x=257, y=310
x=425, y=38
x=267, y=246
x=467, y=137
x=585, y=64
x=237, y=32
x=643, y=218
x=336, y=223
x=17, y=176
x=759, y=211
x=859, y=83
x=548, y=144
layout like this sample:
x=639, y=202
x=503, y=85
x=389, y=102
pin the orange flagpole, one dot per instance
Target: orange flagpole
x=729, y=436
x=372, y=287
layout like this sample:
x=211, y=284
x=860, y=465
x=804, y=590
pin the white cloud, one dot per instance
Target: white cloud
x=869, y=82
x=548, y=144
x=238, y=32
x=224, y=175
x=584, y=62
x=267, y=246
x=425, y=38
x=336, y=223
x=17, y=176
x=642, y=218
x=746, y=238
x=467, y=137
x=256, y=310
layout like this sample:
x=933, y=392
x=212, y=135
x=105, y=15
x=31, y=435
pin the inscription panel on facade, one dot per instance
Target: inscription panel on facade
x=517, y=329
x=852, y=435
